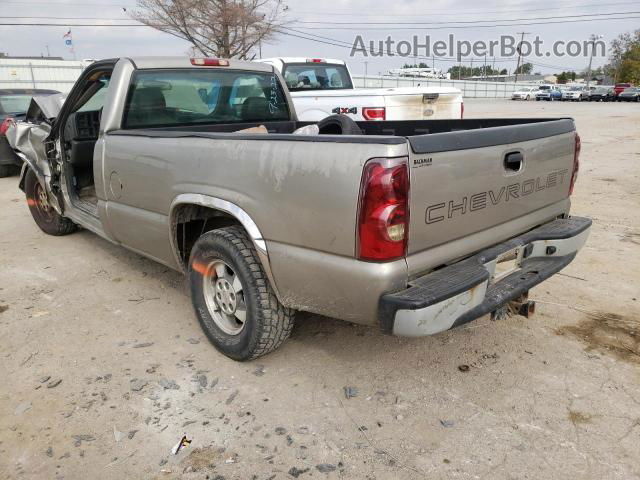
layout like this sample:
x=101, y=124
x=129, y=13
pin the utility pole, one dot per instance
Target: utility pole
x=593, y=39
x=522, y=34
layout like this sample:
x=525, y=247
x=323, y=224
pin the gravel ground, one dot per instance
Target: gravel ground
x=104, y=367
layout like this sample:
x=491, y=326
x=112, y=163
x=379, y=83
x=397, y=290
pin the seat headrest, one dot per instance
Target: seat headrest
x=148, y=97
x=291, y=78
x=255, y=108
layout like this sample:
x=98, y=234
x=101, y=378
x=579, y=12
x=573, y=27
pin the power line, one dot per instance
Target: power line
x=450, y=27
x=18, y=24
x=448, y=12
x=447, y=60
x=557, y=17
x=350, y=46
x=48, y=24
x=72, y=18
x=357, y=23
x=75, y=4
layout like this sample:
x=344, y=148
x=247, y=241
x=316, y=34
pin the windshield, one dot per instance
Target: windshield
x=631, y=90
x=601, y=90
x=545, y=87
x=316, y=76
x=14, y=104
x=575, y=89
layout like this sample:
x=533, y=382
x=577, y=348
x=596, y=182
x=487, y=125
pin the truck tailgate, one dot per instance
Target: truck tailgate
x=466, y=182
x=427, y=106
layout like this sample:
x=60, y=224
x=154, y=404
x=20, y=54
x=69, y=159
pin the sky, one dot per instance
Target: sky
x=339, y=22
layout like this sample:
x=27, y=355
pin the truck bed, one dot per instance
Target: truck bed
x=460, y=201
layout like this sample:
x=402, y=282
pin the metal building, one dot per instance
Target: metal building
x=36, y=72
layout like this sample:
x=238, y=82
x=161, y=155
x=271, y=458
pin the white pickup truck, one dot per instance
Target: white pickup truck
x=322, y=87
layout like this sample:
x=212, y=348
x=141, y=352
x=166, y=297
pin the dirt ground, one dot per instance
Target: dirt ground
x=104, y=368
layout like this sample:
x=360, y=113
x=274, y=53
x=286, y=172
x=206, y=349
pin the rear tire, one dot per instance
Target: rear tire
x=234, y=302
x=45, y=216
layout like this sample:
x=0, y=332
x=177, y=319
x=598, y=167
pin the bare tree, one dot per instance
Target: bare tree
x=218, y=28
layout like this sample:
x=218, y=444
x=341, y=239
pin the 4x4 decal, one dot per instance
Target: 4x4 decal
x=346, y=110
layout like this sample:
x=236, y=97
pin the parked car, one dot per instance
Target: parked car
x=602, y=94
x=575, y=94
x=13, y=107
x=549, y=93
x=620, y=87
x=630, y=95
x=414, y=226
x=322, y=87
x=524, y=93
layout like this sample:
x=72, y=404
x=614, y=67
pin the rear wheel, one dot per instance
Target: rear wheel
x=234, y=302
x=45, y=216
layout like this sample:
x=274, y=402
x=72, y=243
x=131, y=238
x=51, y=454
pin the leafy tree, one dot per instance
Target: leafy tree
x=624, y=63
x=525, y=69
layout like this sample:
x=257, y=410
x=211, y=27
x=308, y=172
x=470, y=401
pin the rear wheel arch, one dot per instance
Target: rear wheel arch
x=192, y=215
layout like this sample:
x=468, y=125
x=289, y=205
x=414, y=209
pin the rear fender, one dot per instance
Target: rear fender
x=234, y=211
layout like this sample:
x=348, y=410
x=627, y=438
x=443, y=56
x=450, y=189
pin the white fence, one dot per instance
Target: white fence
x=61, y=75
x=49, y=74
x=469, y=88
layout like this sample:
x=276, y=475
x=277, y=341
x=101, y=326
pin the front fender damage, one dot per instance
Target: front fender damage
x=28, y=141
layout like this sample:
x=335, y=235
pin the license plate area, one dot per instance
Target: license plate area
x=507, y=263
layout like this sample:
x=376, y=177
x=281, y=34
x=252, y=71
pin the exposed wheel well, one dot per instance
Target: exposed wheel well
x=189, y=222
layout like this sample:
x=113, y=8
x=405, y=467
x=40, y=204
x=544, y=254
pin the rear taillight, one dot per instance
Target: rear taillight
x=383, y=213
x=576, y=162
x=374, y=113
x=315, y=60
x=209, y=62
x=4, y=126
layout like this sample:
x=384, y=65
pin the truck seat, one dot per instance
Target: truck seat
x=255, y=108
x=148, y=107
x=336, y=80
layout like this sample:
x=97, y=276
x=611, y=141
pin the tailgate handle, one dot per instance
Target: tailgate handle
x=513, y=162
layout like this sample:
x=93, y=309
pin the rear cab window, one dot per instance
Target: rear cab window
x=316, y=76
x=171, y=98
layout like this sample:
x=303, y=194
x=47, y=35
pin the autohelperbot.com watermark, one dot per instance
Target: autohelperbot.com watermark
x=504, y=46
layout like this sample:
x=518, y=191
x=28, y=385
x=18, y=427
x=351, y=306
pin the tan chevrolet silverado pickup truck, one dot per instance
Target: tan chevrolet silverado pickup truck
x=202, y=165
